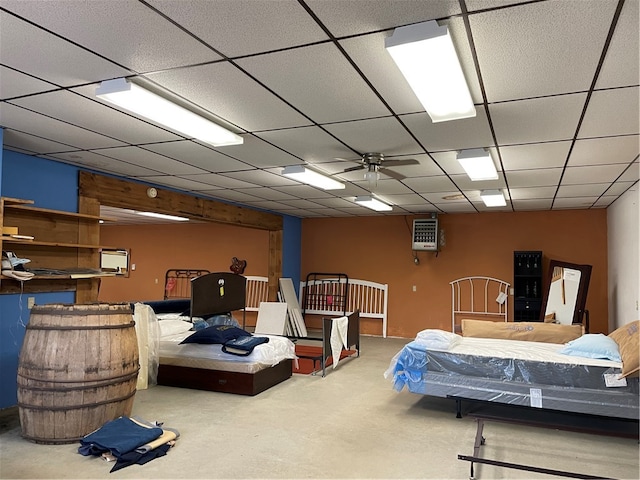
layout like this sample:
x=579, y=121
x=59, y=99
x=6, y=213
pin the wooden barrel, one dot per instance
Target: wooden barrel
x=78, y=369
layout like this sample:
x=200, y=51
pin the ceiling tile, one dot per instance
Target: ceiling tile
x=592, y=174
x=573, y=191
x=14, y=117
x=620, y=66
x=58, y=61
x=531, y=50
x=306, y=143
x=221, y=87
x=197, y=155
x=265, y=26
x=151, y=160
x=315, y=69
x=619, y=188
x=258, y=153
x=574, y=202
x=632, y=174
x=262, y=178
x=537, y=120
x=130, y=33
x=78, y=110
x=15, y=83
x=361, y=16
x=601, y=151
x=543, y=177
x=532, y=204
x=383, y=135
x=102, y=163
x=454, y=135
x=219, y=181
x=265, y=193
x=439, y=184
x=535, y=155
x=532, y=193
x=620, y=109
x=31, y=143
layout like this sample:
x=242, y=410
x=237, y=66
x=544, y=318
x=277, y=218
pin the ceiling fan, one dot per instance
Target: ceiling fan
x=375, y=163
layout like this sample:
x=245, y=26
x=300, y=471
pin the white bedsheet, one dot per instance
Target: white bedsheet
x=213, y=358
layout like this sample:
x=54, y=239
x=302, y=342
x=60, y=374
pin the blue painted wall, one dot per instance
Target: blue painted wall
x=51, y=185
x=291, y=249
x=55, y=185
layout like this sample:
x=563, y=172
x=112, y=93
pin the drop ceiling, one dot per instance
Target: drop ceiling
x=555, y=83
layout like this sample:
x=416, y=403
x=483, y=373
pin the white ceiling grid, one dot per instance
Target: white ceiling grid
x=555, y=83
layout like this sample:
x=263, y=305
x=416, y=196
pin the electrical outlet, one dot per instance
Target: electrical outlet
x=31, y=301
x=156, y=281
x=414, y=288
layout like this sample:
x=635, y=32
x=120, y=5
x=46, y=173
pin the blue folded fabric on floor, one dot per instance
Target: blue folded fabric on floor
x=138, y=458
x=118, y=436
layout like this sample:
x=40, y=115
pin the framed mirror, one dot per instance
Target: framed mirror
x=565, y=299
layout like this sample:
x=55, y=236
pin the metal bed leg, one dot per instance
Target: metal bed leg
x=458, y=408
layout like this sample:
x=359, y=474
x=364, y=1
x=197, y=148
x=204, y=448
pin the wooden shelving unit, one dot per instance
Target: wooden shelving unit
x=65, y=246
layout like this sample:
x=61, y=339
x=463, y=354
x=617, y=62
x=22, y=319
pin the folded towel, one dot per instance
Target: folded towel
x=339, y=328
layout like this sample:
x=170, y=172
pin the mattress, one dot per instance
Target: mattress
x=211, y=357
x=516, y=372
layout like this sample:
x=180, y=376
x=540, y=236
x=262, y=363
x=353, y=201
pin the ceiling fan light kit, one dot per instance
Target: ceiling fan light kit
x=373, y=203
x=310, y=177
x=478, y=164
x=427, y=58
x=147, y=104
x=493, y=198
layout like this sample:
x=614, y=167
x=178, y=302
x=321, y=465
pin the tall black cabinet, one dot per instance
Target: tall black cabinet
x=527, y=285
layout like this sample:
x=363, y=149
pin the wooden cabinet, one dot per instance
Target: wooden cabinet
x=527, y=285
x=64, y=250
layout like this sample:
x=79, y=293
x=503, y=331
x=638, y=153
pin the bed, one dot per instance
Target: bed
x=516, y=372
x=369, y=298
x=207, y=367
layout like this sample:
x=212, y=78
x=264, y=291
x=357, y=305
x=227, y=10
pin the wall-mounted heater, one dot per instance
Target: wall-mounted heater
x=425, y=233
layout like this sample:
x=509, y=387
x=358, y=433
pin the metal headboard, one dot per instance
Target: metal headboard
x=478, y=296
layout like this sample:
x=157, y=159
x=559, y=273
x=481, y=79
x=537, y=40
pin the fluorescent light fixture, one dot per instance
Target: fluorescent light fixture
x=304, y=175
x=426, y=57
x=373, y=203
x=142, y=102
x=163, y=216
x=493, y=198
x=478, y=164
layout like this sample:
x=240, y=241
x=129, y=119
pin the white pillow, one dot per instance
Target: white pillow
x=437, y=339
x=173, y=327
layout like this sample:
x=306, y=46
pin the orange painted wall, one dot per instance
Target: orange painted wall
x=157, y=248
x=378, y=248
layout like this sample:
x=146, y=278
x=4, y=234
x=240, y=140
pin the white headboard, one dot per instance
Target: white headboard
x=370, y=298
x=477, y=297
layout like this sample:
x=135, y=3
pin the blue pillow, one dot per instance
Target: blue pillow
x=216, y=334
x=593, y=345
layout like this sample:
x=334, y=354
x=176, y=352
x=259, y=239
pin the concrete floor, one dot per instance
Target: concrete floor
x=350, y=424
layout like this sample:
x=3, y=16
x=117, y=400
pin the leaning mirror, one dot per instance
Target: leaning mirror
x=564, y=301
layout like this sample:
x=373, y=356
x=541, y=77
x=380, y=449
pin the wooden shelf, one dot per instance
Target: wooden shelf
x=46, y=211
x=64, y=241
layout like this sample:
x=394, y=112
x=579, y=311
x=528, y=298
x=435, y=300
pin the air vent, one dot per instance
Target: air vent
x=425, y=233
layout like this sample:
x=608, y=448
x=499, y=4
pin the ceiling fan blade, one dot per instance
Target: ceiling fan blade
x=392, y=174
x=399, y=162
x=352, y=169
